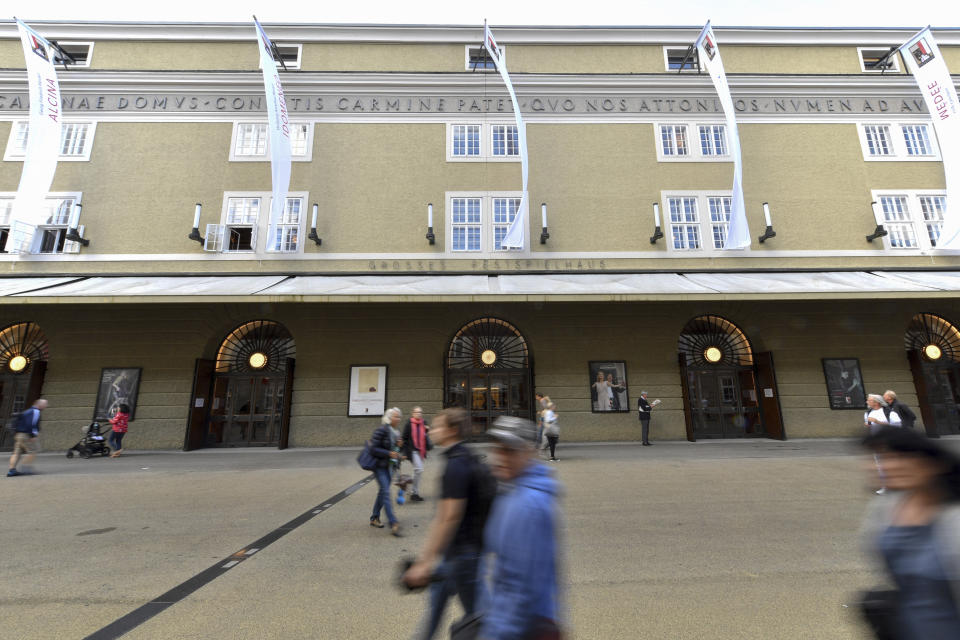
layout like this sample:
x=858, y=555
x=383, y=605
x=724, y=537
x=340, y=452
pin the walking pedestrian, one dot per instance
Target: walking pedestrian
x=26, y=432
x=416, y=444
x=876, y=418
x=521, y=540
x=914, y=533
x=381, y=446
x=119, y=423
x=451, y=553
x=907, y=417
x=552, y=429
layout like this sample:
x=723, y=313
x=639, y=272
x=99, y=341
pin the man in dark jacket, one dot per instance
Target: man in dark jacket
x=381, y=446
x=907, y=417
x=25, y=437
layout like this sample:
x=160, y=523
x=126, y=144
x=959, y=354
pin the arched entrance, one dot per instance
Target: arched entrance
x=243, y=398
x=729, y=392
x=23, y=364
x=933, y=350
x=488, y=372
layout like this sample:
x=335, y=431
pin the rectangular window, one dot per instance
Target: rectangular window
x=50, y=235
x=673, y=140
x=713, y=140
x=719, y=218
x=466, y=140
x=76, y=139
x=78, y=54
x=870, y=61
x=288, y=229
x=674, y=57
x=299, y=137
x=251, y=140
x=290, y=54
x=506, y=140
x=878, y=140
x=917, y=139
x=477, y=59
x=466, y=224
x=932, y=208
x=898, y=222
x=241, y=224
x=504, y=213
x=684, y=222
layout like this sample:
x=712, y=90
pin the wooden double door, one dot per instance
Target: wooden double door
x=17, y=392
x=487, y=394
x=938, y=391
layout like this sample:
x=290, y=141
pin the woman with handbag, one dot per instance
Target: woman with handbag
x=381, y=447
x=914, y=531
x=551, y=429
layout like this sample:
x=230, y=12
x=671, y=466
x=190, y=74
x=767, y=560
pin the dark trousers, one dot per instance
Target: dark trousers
x=552, y=441
x=116, y=438
x=645, y=430
x=458, y=573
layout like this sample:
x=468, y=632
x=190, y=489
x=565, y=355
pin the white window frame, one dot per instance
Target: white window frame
x=703, y=221
x=472, y=47
x=915, y=211
x=486, y=141
x=75, y=43
x=696, y=67
x=295, y=64
x=52, y=225
x=486, y=225
x=265, y=156
x=14, y=154
x=261, y=227
x=898, y=146
x=694, y=150
x=894, y=60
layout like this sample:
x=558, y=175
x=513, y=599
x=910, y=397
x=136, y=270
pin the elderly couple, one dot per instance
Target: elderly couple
x=389, y=446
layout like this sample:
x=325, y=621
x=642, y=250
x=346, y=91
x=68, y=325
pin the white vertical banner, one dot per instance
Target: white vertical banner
x=738, y=233
x=514, y=238
x=278, y=127
x=43, y=141
x=931, y=73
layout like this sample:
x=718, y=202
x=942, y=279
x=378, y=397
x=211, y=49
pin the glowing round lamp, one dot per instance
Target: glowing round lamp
x=258, y=360
x=17, y=364
x=712, y=355
x=488, y=357
x=932, y=352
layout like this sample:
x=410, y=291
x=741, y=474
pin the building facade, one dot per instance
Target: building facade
x=404, y=132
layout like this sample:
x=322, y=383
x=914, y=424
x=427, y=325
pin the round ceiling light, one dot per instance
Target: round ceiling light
x=17, y=363
x=932, y=352
x=488, y=357
x=258, y=360
x=712, y=355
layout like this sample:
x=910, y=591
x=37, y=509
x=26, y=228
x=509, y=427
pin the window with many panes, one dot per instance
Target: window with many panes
x=76, y=140
x=891, y=141
x=480, y=221
x=51, y=234
x=251, y=141
x=912, y=219
x=697, y=221
x=709, y=142
x=287, y=237
x=245, y=225
x=476, y=141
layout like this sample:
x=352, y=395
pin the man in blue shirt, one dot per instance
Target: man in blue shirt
x=25, y=439
x=520, y=540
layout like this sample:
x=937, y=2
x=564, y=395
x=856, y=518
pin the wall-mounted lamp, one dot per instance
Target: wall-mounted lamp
x=432, y=239
x=768, y=232
x=72, y=234
x=879, y=232
x=544, y=234
x=313, y=226
x=195, y=234
x=657, y=233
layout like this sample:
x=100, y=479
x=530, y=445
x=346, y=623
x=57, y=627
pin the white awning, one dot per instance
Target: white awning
x=504, y=287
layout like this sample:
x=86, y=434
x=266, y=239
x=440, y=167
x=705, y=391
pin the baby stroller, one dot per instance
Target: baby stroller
x=91, y=444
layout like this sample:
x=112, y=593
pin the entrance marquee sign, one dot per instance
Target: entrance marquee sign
x=844, y=383
x=117, y=386
x=368, y=391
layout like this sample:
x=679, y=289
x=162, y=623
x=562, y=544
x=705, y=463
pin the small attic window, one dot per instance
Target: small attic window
x=290, y=54
x=78, y=54
x=870, y=60
x=479, y=60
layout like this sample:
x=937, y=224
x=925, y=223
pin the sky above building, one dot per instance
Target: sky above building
x=814, y=13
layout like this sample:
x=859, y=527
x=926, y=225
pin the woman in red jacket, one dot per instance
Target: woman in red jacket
x=119, y=424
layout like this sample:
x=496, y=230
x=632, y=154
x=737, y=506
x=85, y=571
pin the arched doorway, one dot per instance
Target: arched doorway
x=23, y=364
x=933, y=350
x=729, y=392
x=488, y=372
x=243, y=398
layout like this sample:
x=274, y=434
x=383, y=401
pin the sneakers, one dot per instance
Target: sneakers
x=415, y=497
x=375, y=522
x=13, y=472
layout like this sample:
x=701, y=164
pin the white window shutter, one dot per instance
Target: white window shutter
x=213, y=241
x=253, y=238
x=70, y=246
x=21, y=237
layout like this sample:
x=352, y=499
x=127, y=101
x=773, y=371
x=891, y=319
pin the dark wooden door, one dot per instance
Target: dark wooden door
x=199, y=404
x=685, y=383
x=769, y=396
x=287, y=404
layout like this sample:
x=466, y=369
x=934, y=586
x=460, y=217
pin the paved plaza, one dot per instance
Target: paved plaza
x=747, y=539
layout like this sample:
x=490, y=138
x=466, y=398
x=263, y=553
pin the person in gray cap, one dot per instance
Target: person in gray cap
x=521, y=540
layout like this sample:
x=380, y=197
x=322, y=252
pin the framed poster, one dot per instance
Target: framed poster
x=368, y=391
x=608, y=387
x=117, y=386
x=844, y=383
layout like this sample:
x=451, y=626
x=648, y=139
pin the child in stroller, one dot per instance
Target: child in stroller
x=91, y=444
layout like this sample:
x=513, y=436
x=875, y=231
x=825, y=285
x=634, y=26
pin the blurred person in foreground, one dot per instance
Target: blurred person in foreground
x=521, y=546
x=914, y=531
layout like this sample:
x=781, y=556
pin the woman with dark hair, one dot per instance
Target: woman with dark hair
x=914, y=530
x=119, y=424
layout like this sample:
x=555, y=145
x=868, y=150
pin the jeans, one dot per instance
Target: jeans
x=116, y=438
x=383, y=495
x=459, y=577
x=417, y=463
